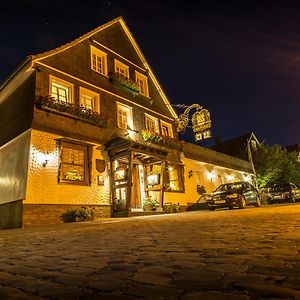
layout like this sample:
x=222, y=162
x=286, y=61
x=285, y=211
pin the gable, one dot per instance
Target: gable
x=115, y=39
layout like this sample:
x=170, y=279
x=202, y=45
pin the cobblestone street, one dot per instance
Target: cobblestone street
x=227, y=254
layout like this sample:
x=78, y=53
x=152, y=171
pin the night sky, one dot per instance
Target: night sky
x=242, y=63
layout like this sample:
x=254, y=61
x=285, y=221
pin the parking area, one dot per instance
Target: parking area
x=251, y=253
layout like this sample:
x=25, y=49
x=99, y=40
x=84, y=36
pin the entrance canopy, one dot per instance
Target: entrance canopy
x=138, y=172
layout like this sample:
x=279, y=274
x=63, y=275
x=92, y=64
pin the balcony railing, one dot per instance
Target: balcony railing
x=162, y=140
x=48, y=103
x=126, y=83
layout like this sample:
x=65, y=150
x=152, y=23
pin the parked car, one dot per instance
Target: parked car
x=265, y=195
x=238, y=194
x=284, y=193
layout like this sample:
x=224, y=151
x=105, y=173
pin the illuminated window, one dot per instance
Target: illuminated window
x=175, y=178
x=61, y=90
x=89, y=100
x=74, y=163
x=124, y=116
x=98, y=61
x=166, y=129
x=142, y=81
x=121, y=69
x=153, y=175
x=151, y=124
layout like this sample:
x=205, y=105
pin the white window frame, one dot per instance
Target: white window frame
x=155, y=120
x=95, y=98
x=128, y=110
x=142, y=81
x=120, y=66
x=61, y=84
x=99, y=56
x=169, y=126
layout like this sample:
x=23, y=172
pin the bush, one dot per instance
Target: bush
x=171, y=207
x=77, y=215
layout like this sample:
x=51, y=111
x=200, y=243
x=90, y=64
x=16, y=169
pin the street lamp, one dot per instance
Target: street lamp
x=201, y=122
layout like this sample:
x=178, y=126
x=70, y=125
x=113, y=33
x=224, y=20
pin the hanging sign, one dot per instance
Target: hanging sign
x=201, y=124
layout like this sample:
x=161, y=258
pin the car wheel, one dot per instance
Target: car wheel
x=230, y=207
x=242, y=202
x=258, y=202
x=292, y=199
x=211, y=208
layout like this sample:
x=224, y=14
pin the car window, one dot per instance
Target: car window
x=280, y=188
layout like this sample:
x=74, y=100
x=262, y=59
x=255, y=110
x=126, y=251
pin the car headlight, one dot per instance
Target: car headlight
x=235, y=195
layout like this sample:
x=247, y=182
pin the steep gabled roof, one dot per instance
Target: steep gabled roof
x=132, y=40
x=236, y=147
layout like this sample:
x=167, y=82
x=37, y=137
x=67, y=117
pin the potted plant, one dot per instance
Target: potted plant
x=85, y=213
x=120, y=205
x=150, y=204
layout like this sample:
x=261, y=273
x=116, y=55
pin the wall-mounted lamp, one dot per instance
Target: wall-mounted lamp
x=230, y=178
x=44, y=164
x=42, y=158
x=211, y=175
x=190, y=173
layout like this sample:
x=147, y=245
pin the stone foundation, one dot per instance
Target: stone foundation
x=45, y=214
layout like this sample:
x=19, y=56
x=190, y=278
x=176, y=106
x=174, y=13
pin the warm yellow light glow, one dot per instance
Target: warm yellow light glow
x=120, y=174
x=131, y=134
x=230, y=177
x=211, y=175
x=247, y=177
x=153, y=179
x=42, y=158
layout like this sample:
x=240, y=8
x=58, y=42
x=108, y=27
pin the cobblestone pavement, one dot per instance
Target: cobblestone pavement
x=228, y=254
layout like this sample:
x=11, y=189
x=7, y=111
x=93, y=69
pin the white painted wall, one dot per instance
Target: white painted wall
x=14, y=157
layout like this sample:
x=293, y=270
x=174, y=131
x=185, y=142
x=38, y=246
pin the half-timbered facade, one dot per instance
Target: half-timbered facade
x=86, y=124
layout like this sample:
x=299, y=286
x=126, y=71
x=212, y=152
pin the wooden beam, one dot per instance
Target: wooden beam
x=129, y=183
x=162, y=183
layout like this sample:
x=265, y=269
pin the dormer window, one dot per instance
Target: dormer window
x=121, y=69
x=98, y=61
x=61, y=90
x=142, y=81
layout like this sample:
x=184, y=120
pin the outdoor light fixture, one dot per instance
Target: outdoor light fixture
x=201, y=122
x=230, y=177
x=211, y=175
x=42, y=158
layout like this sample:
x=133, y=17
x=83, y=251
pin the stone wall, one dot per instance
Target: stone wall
x=37, y=214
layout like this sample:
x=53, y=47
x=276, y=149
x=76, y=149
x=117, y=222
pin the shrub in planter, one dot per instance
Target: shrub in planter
x=171, y=207
x=150, y=204
x=77, y=215
x=120, y=205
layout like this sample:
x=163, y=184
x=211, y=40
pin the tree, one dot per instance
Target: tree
x=274, y=164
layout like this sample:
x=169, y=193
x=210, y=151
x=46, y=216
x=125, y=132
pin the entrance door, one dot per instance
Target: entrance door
x=136, y=199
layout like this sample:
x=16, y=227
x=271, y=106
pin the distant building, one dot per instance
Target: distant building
x=88, y=124
x=239, y=146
